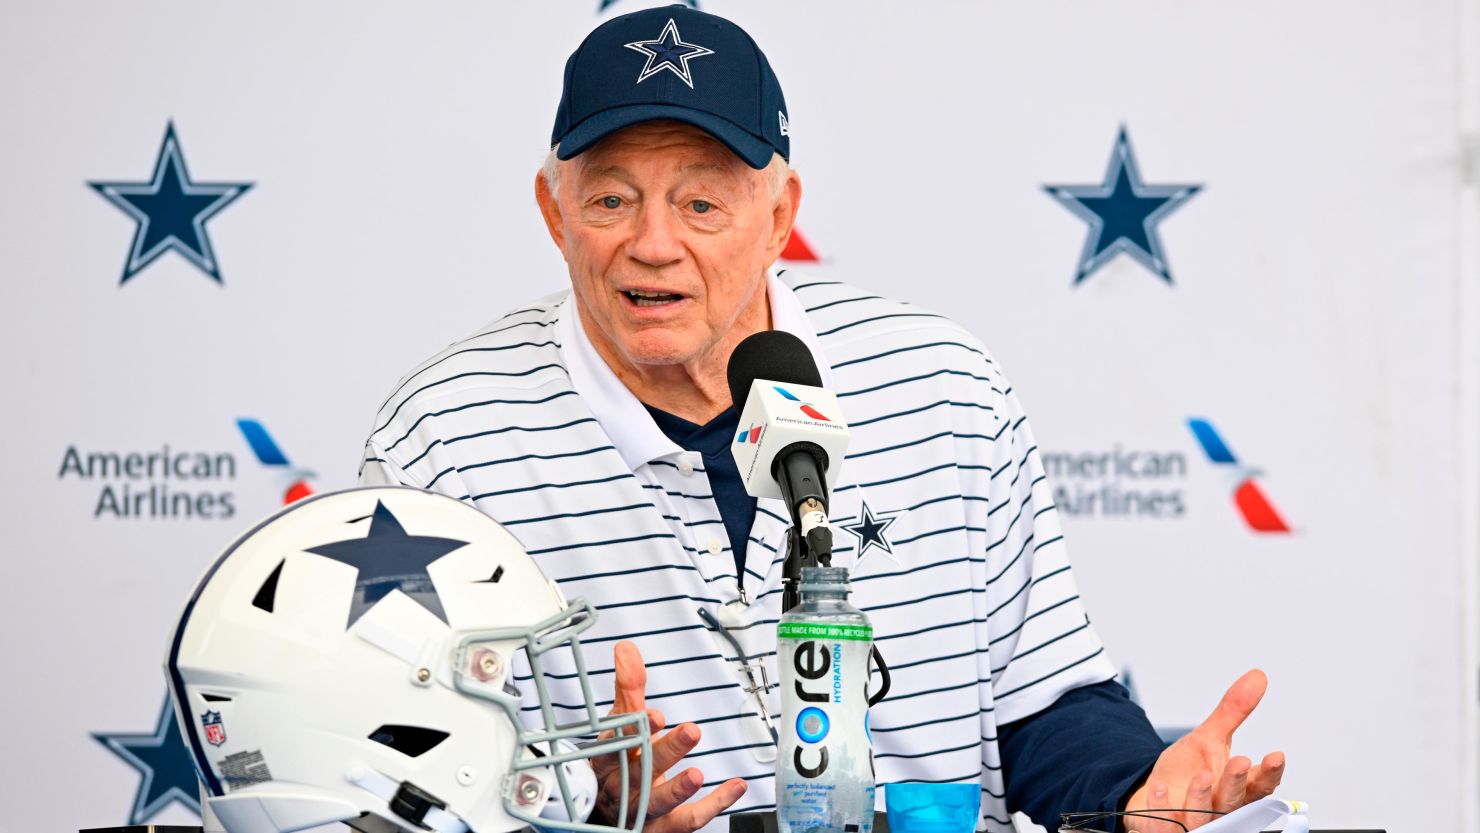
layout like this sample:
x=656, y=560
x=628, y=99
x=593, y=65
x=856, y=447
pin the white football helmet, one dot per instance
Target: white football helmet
x=351, y=657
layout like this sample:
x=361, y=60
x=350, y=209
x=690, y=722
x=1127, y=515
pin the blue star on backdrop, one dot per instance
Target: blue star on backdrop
x=1122, y=213
x=870, y=531
x=606, y=4
x=389, y=559
x=171, y=211
x=668, y=52
x=166, y=770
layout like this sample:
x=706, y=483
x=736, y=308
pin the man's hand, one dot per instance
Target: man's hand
x=667, y=812
x=1195, y=773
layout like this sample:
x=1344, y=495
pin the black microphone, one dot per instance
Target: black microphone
x=780, y=449
x=799, y=468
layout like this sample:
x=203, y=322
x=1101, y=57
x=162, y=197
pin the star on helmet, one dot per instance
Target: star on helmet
x=389, y=559
x=668, y=52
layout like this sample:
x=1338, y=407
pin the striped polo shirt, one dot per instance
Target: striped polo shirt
x=942, y=514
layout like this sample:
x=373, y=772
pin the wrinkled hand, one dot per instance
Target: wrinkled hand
x=667, y=812
x=1195, y=773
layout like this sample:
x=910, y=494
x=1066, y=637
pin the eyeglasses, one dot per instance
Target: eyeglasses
x=758, y=686
x=1113, y=822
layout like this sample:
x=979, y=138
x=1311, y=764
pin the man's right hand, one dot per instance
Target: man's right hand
x=667, y=812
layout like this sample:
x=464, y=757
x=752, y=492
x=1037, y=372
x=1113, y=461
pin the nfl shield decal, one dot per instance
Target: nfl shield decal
x=214, y=728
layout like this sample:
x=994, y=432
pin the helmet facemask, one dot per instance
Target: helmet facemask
x=481, y=670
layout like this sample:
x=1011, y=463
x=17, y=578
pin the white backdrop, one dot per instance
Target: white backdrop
x=1321, y=314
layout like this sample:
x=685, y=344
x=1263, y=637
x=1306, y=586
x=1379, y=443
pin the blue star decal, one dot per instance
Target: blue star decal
x=870, y=531
x=171, y=211
x=669, y=52
x=1122, y=213
x=389, y=559
x=606, y=4
x=166, y=770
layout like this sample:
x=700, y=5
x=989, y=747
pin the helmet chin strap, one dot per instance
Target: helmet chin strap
x=398, y=794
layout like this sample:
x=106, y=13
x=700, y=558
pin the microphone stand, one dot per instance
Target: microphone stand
x=815, y=550
x=809, y=542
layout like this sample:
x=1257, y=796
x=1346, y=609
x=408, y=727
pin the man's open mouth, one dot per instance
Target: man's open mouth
x=651, y=299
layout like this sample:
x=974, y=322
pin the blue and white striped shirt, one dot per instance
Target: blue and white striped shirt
x=973, y=603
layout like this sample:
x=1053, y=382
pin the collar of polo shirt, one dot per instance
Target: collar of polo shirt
x=631, y=429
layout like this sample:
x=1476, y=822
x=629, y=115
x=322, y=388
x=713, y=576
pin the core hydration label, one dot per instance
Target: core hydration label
x=825, y=769
x=822, y=630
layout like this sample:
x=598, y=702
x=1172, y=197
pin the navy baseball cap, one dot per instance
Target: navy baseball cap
x=673, y=63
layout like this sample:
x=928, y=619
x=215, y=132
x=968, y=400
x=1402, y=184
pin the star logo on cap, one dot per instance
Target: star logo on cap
x=669, y=52
x=606, y=4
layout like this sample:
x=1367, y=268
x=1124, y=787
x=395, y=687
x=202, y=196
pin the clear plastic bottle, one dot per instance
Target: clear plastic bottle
x=825, y=765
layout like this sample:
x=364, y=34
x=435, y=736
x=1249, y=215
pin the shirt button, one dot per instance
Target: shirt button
x=716, y=546
x=685, y=467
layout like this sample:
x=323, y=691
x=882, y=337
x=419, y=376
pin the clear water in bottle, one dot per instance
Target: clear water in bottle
x=824, y=766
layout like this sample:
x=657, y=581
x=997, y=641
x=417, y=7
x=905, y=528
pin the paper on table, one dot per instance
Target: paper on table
x=1256, y=816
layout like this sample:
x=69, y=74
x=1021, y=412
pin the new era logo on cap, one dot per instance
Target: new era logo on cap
x=677, y=64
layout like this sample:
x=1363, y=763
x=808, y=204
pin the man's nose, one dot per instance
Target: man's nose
x=656, y=241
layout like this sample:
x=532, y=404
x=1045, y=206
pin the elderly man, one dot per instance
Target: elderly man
x=595, y=425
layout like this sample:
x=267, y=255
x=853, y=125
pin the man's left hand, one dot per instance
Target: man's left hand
x=1196, y=772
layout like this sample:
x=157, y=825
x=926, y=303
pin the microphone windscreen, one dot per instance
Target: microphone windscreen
x=774, y=355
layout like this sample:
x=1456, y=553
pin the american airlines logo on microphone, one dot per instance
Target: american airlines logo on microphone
x=775, y=416
x=805, y=406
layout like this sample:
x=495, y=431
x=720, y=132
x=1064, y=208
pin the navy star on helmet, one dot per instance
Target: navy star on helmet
x=388, y=559
x=669, y=52
x=736, y=97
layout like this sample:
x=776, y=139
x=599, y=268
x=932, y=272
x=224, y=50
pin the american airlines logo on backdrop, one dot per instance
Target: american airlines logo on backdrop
x=1119, y=482
x=798, y=250
x=1151, y=483
x=1255, y=507
x=168, y=482
x=292, y=481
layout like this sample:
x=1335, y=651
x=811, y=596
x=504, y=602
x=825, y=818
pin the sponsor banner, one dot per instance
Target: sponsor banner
x=1223, y=288
x=1149, y=484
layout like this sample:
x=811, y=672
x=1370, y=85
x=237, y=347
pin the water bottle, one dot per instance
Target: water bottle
x=825, y=765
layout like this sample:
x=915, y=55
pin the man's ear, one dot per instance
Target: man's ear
x=784, y=215
x=550, y=210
